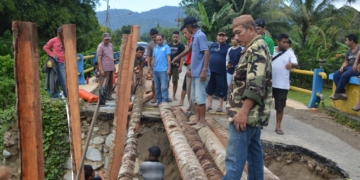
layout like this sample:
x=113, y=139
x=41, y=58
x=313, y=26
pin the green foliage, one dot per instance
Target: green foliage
x=7, y=82
x=55, y=130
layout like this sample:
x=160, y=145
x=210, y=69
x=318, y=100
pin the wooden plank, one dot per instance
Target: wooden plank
x=28, y=107
x=72, y=87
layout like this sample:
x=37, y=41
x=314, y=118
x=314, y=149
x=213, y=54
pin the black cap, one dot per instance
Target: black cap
x=154, y=151
x=260, y=22
x=59, y=29
x=189, y=20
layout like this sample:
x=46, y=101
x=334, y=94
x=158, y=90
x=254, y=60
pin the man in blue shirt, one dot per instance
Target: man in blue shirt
x=217, y=84
x=162, y=68
x=200, y=71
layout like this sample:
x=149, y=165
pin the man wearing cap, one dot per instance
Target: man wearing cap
x=105, y=55
x=218, y=84
x=200, y=71
x=57, y=52
x=260, y=27
x=152, y=168
x=249, y=102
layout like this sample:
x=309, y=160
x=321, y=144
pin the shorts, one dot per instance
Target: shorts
x=184, y=84
x=174, y=75
x=217, y=85
x=280, y=96
x=198, y=94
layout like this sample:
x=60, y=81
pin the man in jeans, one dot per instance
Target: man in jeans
x=105, y=55
x=161, y=71
x=200, y=71
x=249, y=102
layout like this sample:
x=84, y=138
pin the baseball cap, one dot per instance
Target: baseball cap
x=189, y=20
x=59, y=29
x=106, y=36
x=260, y=22
x=154, y=151
x=222, y=33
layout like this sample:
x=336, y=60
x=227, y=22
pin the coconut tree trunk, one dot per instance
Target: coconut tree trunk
x=198, y=147
x=187, y=162
x=130, y=151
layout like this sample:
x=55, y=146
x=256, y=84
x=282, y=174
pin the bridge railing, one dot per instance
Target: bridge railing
x=317, y=86
x=81, y=65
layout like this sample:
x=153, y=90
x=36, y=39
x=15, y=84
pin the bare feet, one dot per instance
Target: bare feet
x=174, y=99
x=199, y=125
x=181, y=103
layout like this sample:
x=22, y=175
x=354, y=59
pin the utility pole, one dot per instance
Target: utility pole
x=107, y=14
x=178, y=20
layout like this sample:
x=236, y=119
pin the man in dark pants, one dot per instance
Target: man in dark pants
x=105, y=55
x=218, y=84
x=176, y=65
x=348, y=68
x=282, y=61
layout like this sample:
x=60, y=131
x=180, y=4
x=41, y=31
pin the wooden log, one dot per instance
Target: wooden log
x=28, y=107
x=123, y=96
x=72, y=89
x=222, y=134
x=198, y=147
x=131, y=143
x=186, y=160
x=146, y=98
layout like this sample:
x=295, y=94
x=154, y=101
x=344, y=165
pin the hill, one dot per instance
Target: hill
x=164, y=16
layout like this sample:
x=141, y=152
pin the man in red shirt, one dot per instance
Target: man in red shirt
x=187, y=80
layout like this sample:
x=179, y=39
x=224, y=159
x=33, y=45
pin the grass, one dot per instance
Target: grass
x=343, y=119
x=304, y=98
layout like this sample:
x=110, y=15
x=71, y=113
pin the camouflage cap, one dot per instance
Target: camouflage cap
x=243, y=19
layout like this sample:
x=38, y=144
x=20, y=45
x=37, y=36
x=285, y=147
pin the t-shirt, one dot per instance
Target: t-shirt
x=107, y=56
x=175, y=51
x=280, y=75
x=57, y=49
x=218, y=57
x=150, y=48
x=138, y=61
x=233, y=57
x=269, y=42
x=160, y=55
x=198, y=46
x=351, y=56
x=188, y=56
x=151, y=170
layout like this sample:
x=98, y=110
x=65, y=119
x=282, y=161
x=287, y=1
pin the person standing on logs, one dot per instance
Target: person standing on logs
x=249, y=102
x=55, y=49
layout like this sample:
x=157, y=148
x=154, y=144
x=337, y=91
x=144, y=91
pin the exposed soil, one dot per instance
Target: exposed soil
x=323, y=121
x=154, y=134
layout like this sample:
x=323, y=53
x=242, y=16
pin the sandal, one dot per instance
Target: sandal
x=356, y=108
x=209, y=108
x=153, y=101
x=174, y=99
x=219, y=110
x=279, y=131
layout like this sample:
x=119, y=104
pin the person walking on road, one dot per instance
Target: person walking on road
x=176, y=65
x=55, y=49
x=105, y=55
x=283, y=61
x=249, y=102
x=200, y=71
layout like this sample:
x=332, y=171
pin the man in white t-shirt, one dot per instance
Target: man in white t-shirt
x=282, y=61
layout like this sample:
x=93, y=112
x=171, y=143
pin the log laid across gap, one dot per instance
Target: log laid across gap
x=198, y=147
x=187, y=162
x=222, y=134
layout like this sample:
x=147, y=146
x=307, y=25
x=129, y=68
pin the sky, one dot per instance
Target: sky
x=146, y=5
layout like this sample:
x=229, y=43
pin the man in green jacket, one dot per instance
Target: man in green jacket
x=260, y=27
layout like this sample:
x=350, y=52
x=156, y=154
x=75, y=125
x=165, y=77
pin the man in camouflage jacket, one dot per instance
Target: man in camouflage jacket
x=249, y=102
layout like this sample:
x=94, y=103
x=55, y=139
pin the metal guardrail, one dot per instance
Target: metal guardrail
x=317, y=85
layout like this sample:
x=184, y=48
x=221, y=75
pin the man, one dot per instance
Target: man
x=249, y=102
x=162, y=68
x=57, y=52
x=260, y=27
x=348, y=68
x=138, y=68
x=152, y=169
x=200, y=71
x=105, y=55
x=282, y=62
x=187, y=83
x=217, y=84
x=176, y=65
x=232, y=58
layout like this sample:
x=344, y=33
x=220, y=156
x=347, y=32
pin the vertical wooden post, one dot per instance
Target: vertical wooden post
x=123, y=97
x=72, y=87
x=28, y=107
